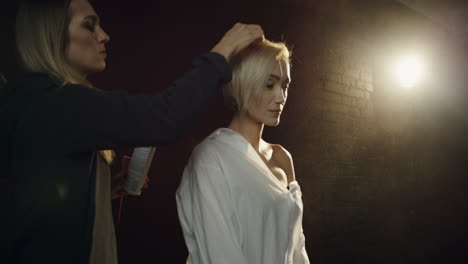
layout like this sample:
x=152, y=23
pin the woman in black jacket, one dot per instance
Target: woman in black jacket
x=55, y=136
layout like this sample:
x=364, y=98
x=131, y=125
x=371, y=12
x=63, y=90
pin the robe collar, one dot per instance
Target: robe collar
x=237, y=142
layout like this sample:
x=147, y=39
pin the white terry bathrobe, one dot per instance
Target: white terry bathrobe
x=233, y=210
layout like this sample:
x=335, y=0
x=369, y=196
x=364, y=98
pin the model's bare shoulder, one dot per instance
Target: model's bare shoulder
x=284, y=160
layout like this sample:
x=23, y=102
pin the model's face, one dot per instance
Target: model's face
x=270, y=102
x=85, y=50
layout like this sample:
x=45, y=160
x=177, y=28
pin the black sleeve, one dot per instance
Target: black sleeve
x=96, y=119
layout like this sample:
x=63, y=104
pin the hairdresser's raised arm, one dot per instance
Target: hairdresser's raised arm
x=237, y=38
x=144, y=119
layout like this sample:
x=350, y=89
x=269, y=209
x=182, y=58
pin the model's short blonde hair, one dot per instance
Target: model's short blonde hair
x=250, y=70
x=42, y=36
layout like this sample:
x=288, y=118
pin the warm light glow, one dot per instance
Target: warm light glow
x=409, y=71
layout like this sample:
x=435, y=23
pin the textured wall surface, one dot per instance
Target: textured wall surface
x=382, y=168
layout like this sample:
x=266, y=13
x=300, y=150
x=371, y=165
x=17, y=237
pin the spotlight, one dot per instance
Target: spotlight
x=409, y=71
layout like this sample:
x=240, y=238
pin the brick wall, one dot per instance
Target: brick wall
x=367, y=154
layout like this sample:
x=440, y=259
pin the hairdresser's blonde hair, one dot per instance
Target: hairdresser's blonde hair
x=250, y=71
x=41, y=39
x=42, y=36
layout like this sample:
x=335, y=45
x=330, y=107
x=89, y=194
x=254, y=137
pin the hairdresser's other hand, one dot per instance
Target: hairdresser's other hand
x=237, y=38
x=117, y=186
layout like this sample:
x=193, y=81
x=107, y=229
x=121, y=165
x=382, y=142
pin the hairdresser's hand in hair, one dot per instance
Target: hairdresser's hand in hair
x=237, y=38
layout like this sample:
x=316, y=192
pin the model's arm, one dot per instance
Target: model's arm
x=208, y=217
x=286, y=161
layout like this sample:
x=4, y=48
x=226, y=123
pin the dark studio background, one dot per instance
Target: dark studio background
x=382, y=170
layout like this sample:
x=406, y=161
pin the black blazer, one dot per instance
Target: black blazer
x=50, y=135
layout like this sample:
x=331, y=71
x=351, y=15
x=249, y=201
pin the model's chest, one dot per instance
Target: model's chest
x=273, y=166
x=254, y=182
x=277, y=172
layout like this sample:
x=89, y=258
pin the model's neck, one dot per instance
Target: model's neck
x=249, y=128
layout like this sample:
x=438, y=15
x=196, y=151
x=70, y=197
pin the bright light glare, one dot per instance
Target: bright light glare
x=409, y=71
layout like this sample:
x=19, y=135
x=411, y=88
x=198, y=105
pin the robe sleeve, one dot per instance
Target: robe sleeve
x=207, y=215
x=299, y=250
x=300, y=254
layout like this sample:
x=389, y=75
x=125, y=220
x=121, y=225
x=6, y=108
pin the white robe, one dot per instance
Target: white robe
x=234, y=210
